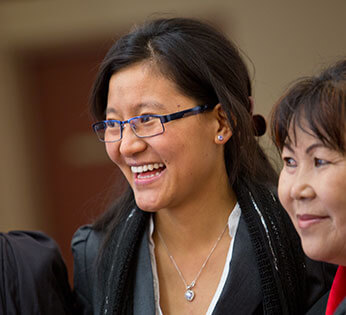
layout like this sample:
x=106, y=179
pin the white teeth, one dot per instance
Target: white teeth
x=144, y=168
x=148, y=176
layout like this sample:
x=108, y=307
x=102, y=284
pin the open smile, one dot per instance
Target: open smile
x=147, y=171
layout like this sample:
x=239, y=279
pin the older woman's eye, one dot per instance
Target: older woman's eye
x=320, y=162
x=289, y=162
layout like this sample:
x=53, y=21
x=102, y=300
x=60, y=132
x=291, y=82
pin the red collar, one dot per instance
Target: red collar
x=338, y=290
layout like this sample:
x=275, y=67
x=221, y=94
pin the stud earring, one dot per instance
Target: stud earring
x=219, y=137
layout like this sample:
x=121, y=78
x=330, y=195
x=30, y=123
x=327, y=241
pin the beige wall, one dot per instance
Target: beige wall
x=284, y=39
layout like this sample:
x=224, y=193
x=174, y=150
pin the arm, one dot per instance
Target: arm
x=33, y=276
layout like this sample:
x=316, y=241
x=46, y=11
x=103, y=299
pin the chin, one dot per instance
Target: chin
x=150, y=210
x=146, y=205
x=318, y=252
x=313, y=255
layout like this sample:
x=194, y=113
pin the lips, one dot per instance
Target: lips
x=307, y=220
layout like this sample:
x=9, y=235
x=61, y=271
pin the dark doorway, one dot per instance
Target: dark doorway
x=78, y=179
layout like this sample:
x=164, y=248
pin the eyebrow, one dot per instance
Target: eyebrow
x=308, y=150
x=314, y=146
x=288, y=147
x=149, y=105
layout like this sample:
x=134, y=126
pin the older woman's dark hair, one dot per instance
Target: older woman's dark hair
x=317, y=105
x=204, y=65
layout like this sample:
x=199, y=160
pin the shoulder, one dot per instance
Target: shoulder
x=21, y=239
x=82, y=235
x=85, y=244
x=31, y=250
x=33, y=272
x=85, y=247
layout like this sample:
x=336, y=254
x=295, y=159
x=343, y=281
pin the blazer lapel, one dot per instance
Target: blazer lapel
x=144, y=300
x=242, y=291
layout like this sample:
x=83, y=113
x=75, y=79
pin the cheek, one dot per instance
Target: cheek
x=330, y=188
x=111, y=152
x=284, y=193
x=334, y=201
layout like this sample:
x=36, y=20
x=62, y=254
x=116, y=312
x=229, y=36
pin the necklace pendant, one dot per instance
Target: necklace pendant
x=189, y=295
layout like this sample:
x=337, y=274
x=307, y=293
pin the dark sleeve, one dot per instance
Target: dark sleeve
x=341, y=310
x=85, y=245
x=33, y=276
x=320, y=277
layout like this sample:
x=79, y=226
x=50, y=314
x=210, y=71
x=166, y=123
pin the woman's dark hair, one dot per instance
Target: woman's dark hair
x=204, y=65
x=317, y=105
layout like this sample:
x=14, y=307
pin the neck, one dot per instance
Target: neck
x=197, y=222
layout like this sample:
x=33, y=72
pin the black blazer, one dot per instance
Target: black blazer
x=241, y=293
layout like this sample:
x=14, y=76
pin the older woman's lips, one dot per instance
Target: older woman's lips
x=306, y=220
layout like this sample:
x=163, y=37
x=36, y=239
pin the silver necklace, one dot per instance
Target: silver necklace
x=189, y=293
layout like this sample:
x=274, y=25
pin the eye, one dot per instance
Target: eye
x=112, y=123
x=145, y=119
x=320, y=162
x=289, y=162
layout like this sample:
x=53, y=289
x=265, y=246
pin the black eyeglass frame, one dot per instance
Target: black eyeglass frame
x=163, y=118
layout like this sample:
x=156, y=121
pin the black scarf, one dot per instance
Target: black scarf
x=277, y=248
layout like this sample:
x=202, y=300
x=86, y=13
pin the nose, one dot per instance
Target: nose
x=130, y=144
x=302, y=187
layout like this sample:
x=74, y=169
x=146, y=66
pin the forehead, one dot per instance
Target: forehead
x=301, y=130
x=295, y=127
x=134, y=74
x=300, y=135
x=140, y=87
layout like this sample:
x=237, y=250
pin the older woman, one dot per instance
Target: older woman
x=309, y=125
x=200, y=230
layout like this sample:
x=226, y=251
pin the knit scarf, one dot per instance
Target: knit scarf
x=275, y=242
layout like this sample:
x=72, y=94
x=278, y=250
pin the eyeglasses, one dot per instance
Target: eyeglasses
x=143, y=126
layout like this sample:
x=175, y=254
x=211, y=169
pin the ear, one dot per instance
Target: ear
x=223, y=131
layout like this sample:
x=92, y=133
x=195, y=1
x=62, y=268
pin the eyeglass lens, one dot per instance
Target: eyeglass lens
x=146, y=126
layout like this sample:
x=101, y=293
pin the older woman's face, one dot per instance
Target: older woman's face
x=312, y=188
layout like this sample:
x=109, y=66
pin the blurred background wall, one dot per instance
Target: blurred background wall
x=54, y=175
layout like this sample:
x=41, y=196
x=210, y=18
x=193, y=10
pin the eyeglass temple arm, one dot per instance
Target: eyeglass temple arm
x=186, y=113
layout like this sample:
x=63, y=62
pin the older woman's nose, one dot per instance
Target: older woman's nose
x=302, y=187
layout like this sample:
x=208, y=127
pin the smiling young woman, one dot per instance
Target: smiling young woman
x=309, y=126
x=189, y=175
x=200, y=230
